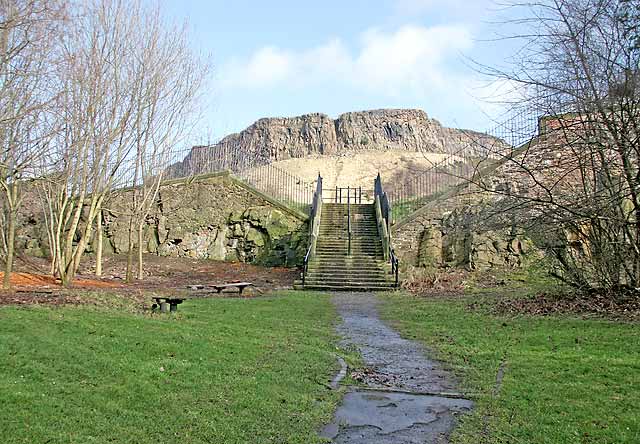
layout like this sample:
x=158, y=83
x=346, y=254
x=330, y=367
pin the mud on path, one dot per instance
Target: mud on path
x=407, y=397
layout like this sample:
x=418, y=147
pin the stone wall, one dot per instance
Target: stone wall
x=210, y=217
x=450, y=232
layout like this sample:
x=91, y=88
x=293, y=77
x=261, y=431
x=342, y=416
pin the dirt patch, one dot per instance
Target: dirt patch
x=501, y=294
x=358, y=169
x=436, y=283
x=625, y=308
x=23, y=280
x=170, y=276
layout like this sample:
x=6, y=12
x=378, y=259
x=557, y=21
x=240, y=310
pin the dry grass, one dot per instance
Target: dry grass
x=359, y=169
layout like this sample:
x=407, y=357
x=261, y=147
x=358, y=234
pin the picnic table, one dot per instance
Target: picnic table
x=168, y=304
x=219, y=287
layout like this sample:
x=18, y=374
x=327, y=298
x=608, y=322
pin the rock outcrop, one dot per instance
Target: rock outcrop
x=273, y=139
x=451, y=232
x=213, y=217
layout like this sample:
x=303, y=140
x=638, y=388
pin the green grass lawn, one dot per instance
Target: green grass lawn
x=222, y=371
x=565, y=380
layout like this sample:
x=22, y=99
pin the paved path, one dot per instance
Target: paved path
x=398, y=406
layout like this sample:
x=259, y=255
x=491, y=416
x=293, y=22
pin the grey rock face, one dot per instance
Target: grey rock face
x=274, y=139
x=210, y=218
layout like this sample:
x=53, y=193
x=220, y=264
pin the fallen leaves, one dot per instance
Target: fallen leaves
x=594, y=304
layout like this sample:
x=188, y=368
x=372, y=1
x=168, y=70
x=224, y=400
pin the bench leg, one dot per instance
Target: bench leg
x=173, y=308
x=164, y=307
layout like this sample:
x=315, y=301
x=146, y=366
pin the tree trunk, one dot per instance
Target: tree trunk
x=140, y=268
x=129, y=274
x=99, y=244
x=11, y=234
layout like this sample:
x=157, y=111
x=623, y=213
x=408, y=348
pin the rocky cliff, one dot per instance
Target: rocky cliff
x=212, y=217
x=273, y=139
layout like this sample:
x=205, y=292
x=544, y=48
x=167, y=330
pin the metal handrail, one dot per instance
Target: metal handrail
x=357, y=194
x=349, y=218
x=305, y=264
x=314, y=227
x=383, y=210
x=395, y=265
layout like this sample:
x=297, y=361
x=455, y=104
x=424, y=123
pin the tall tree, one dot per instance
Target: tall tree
x=129, y=86
x=171, y=76
x=29, y=31
x=579, y=69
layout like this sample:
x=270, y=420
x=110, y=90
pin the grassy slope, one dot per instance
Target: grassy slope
x=566, y=380
x=235, y=371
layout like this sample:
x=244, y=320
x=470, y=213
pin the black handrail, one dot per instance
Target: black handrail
x=314, y=225
x=385, y=214
x=349, y=217
x=357, y=194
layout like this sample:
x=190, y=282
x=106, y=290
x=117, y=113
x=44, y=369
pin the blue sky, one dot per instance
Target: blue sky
x=286, y=58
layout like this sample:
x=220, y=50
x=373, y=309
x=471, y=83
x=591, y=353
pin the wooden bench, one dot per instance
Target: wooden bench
x=239, y=285
x=219, y=287
x=167, y=304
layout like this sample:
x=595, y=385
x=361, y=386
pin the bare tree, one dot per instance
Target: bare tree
x=129, y=85
x=171, y=77
x=97, y=109
x=579, y=176
x=29, y=31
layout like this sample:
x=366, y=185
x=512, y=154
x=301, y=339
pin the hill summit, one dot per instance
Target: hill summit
x=280, y=138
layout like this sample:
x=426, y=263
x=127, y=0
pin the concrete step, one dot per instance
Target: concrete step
x=362, y=285
x=364, y=241
x=354, y=247
x=313, y=277
x=330, y=233
x=346, y=268
x=340, y=287
x=368, y=245
x=338, y=268
x=369, y=264
x=372, y=265
x=344, y=258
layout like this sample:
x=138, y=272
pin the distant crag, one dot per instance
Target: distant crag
x=280, y=138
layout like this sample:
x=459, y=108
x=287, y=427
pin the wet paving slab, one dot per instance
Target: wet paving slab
x=407, y=397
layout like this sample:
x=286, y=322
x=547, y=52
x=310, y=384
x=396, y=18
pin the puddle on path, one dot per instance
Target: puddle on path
x=389, y=414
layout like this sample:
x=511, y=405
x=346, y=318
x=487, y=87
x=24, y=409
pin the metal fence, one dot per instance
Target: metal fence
x=513, y=130
x=266, y=178
x=510, y=132
x=281, y=185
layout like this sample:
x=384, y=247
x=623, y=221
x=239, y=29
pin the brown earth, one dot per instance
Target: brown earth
x=359, y=169
x=502, y=296
x=163, y=276
x=584, y=305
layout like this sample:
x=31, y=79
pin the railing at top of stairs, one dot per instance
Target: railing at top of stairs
x=383, y=216
x=314, y=226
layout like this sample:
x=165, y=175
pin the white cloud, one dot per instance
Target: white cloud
x=405, y=61
x=267, y=66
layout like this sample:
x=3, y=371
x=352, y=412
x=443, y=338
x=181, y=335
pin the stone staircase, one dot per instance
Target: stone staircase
x=333, y=268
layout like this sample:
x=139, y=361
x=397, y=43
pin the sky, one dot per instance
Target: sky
x=281, y=58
